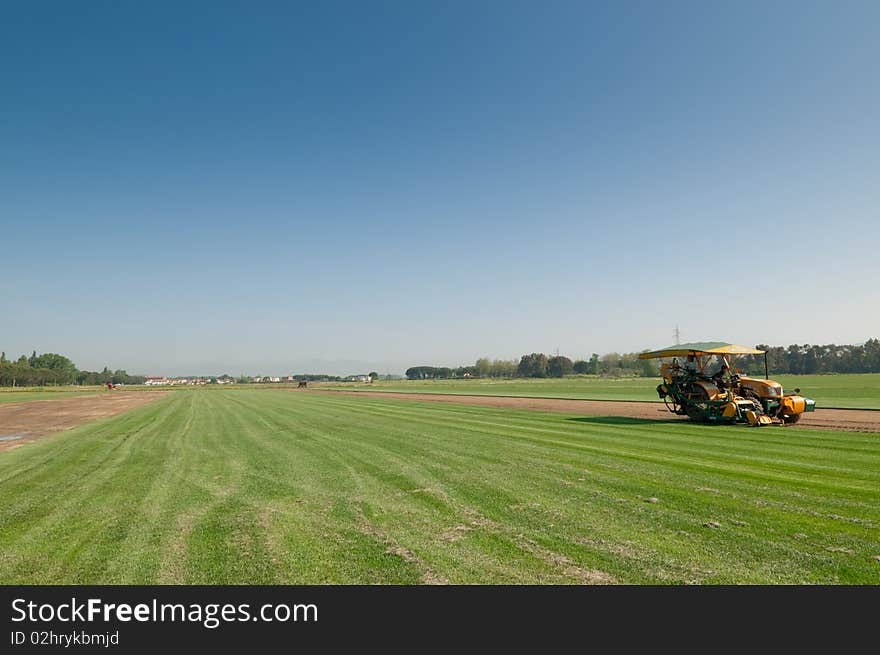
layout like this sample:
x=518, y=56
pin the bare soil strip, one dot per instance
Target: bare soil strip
x=24, y=422
x=822, y=419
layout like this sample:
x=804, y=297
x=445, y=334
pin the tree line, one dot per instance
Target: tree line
x=54, y=369
x=793, y=359
x=540, y=365
x=809, y=359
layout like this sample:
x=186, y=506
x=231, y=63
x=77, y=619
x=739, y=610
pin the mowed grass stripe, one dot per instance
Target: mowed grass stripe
x=843, y=508
x=871, y=494
x=406, y=481
x=268, y=486
x=672, y=441
x=310, y=515
x=733, y=441
x=325, y=417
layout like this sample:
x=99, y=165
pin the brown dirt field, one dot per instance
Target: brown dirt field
x=858, y=420
x=30, y=420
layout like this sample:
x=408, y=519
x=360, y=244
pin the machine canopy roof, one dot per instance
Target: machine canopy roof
x=706, y=348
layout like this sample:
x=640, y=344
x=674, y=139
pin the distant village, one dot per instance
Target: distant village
x=162, y=381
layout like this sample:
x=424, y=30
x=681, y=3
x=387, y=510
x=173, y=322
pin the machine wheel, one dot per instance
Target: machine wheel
x=791, y=420
x=673, y=406
x=759, y=408
x=695, y=413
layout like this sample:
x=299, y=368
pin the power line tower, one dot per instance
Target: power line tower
x=677, y=334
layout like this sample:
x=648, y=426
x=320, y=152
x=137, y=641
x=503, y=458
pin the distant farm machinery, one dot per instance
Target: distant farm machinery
x=700, y=382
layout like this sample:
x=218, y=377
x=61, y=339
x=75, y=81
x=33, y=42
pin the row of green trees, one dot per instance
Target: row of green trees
x=54, y=369
x=437, y=372
x=807, y=359
x=539, y=365
x=119, y=376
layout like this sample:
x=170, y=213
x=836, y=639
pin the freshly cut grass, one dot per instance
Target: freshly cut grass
x=858, y=391
x=35, y=393
x=576, y=387
x=264, y=486
x=846, y=391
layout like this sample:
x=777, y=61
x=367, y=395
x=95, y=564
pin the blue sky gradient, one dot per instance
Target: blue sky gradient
x=267, y=188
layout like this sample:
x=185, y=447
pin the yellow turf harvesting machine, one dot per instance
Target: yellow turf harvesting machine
x=699, y=381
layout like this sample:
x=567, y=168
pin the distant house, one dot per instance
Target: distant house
x=154, y=381
x=358, y=378
x=274, y=379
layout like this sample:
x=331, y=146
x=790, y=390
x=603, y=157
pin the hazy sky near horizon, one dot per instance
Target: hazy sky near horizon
x=272, y=187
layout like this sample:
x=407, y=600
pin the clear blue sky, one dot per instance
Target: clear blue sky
x=265, y=187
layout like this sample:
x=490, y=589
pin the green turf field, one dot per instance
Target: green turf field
x=856, y=391
x=266, y=486
x=20, y=395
